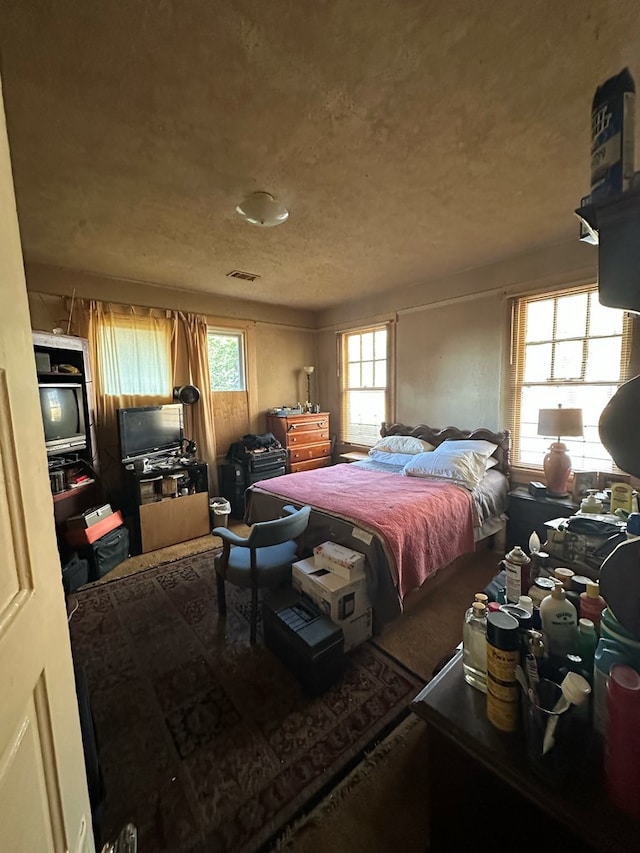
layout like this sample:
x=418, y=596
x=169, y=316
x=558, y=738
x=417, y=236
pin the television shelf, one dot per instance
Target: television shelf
x=166, y=520
x=71, y=490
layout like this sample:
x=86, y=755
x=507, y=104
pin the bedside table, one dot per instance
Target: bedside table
x=353, y=456
x=529, y=512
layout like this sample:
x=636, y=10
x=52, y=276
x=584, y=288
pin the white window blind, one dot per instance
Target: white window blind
x=364, y=384
x=569, y=350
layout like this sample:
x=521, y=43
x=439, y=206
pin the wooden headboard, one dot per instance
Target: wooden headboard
x=437, y=436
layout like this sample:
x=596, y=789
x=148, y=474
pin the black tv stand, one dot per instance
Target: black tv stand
x=158, y=518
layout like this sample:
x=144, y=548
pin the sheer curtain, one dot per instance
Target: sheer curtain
x=138, y=356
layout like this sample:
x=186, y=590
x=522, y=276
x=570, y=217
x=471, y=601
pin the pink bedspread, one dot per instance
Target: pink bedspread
x=424, y=524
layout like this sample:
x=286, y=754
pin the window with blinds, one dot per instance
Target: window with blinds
x=364, y=384
x=567, y=350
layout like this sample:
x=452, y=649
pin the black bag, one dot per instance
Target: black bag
x=259, y=442
x=107, y=552
x=75, y=573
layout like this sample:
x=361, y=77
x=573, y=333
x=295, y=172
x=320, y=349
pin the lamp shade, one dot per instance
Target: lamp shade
x=308, y=369
x=261, y=208
x=560, y=422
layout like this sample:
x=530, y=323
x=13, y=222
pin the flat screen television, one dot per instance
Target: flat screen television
x=62, y=407
x=150, y=430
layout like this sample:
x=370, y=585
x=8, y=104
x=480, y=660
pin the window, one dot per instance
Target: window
x=364, y=384
x=570, y=350
x=226, y=360
x=134, y=355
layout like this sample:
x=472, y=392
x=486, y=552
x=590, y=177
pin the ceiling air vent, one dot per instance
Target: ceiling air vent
x=245, y=276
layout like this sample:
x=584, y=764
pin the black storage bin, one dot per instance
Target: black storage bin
x=75, y=573
x=305, y=640
x=107, y=552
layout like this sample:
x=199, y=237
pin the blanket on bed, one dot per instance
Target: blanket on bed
x=423, y=524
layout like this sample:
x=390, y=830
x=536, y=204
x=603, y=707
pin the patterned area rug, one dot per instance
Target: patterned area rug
x=205, y=743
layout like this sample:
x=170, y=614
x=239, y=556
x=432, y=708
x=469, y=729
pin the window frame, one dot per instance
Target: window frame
x=517, y=383
x=240, y=334
x=347, y=437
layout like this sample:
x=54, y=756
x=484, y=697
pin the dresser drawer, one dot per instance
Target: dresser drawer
x=307, y=425
x=307, y=436
x=323, y=462
x=309, y=451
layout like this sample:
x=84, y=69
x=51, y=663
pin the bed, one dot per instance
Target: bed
x=407, y=507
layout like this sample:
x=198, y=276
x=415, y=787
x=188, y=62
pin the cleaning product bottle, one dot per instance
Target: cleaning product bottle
x=592, y=604
x=587, y=642
x=503, y=690
x=559, y=622
x=516, y=564
x=608, y=653
x=622, y=752
x=474, y=646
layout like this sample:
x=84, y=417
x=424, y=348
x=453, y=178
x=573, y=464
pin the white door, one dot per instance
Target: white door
x=44, y=804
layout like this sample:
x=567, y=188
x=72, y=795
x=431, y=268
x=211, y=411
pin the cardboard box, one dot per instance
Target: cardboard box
x=79, y=536
x=339, y=598
x=340, y=560
x=357, y=629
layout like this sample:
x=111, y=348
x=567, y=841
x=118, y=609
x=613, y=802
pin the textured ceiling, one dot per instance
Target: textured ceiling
x=408, y=139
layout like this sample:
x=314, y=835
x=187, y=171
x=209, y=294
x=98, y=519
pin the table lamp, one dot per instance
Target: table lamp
x=308, y=369
x=557, y=463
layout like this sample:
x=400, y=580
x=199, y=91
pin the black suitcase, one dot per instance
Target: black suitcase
x=107, y=552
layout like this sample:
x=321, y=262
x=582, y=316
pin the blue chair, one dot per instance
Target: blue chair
x=261, y=559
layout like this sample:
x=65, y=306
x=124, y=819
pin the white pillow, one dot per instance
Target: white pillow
x=478, y=446
x=391, y=458
x=463, y=467
x=402, y=444
x=492, y=462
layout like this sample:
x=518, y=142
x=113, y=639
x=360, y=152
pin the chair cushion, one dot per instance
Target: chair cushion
x=274, y=564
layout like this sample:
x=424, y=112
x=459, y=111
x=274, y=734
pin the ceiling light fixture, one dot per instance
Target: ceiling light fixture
x=261, y=208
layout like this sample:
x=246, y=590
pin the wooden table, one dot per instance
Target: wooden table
x=481, y=786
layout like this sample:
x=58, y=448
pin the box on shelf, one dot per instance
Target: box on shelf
x=339, y=598
x=90, y=516
x=79, y=536
x=340, y=560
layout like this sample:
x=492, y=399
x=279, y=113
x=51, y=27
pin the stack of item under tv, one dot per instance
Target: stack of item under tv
x=325, y=613
x=102, y=543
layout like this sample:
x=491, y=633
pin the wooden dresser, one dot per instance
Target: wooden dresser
x=306, y=438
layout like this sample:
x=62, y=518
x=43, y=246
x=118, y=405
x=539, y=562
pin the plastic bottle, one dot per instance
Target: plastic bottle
x=559, y=622
x=592, y=604
x=608, y=653
x=474, y=646
x=526, y=602
x=633, y=525
x=503, y=691
x=622, y=749
x=587, y=643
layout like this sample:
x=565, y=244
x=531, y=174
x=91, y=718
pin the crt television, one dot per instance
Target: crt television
x=150, y=430
x=62, y=407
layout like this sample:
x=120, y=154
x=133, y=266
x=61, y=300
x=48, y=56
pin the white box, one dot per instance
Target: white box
x=343, y=561
x=357, y=630
x=339, y=598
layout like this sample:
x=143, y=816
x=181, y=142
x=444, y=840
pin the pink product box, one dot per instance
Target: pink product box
x=342, y=561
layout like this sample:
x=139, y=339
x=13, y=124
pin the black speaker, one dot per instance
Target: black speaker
x=187, y=394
